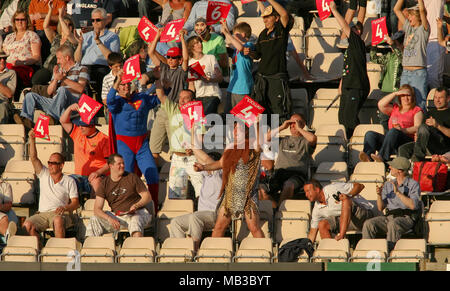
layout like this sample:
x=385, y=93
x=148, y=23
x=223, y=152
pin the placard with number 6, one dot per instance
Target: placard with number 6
x=131, y=69
x=88, y=107
x=41, y=128
x=147, y=30
x=192, y=113
x=247, y=110
x=379, y=30
x=216, y=11
x=323, y=7
x=172, y=30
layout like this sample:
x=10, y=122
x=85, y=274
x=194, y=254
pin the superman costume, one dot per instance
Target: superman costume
x=128, y=124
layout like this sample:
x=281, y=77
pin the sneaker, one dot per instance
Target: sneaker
x=343, y=43
x=363, y=157
x=376, y=158
x=10, y=231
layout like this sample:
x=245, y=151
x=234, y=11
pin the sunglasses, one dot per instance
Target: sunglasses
x=54, y=163
x=175, y=58
x=97, y=19
x=20, y=19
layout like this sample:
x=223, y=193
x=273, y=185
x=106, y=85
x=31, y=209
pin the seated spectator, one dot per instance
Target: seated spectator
x=404, y=120
x=401, y=198
x=38, y=11
x=91, y=149
x=24, y=49
x=58, y=195
x=127, y=197
x=433, y=136
x=94, y=47
x=8, y=82
x=199, y=10
x=338, y=207
x=81, y=11
x=193, y=225
x=212, y=43
x=8, y=218
x=291, y=166
x=69, y=81
x=172, y=9
x=241, y=81
x=206, y=88
x=64, y=35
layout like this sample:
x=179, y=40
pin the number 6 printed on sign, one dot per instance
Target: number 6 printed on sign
x=216, y=11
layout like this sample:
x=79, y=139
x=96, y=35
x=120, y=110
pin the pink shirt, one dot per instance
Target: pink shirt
x=405, y=120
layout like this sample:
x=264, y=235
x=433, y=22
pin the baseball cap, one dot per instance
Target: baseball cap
x=268, y=11
x=174, y=52
x=79, y=122
x=400, y=163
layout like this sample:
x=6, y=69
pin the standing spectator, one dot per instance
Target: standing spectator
x=69, y=81
x=64, y=35
x=91, y=149
x=343, y=42
x=8, y=218
x=241, y=81
x=171, y=9
x=23, y=47
x=115, y=63
x=401, y=198
x=58, y=195
x=404, y=120
x=354, y=86
x=338, y=207
x=414, y=61
x=435, y=53
x=127, y=197
x=173, y=74
x=206, y=88
x=434, y=135
x=7, y=9
x=271, y=88
x=95, y=46
x=199, y=10
x=38, y=11
x=81, y=11
x=8, y=82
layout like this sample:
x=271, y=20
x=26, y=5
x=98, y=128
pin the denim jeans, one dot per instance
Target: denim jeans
x=418, y=80
x=54, y=106
x=387, y=9
x=385, y=144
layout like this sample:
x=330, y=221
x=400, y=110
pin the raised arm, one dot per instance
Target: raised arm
x=160, y=92
x=440, y=33
x=340, y=19
x=230, y=39
x=156, y=57
x=384, y=105
x=423, y=15
x=284, y=15
x=78, y=55
x=49, y=32
x=65, y=121
x=37, y=165
x=184, y=51
x=398, y=11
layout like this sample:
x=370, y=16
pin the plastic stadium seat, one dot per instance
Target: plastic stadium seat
x=124, y=22
x=370, y=250
x=69, y=168
x=265, y=221
x=215, y=250
x=302, y=257
x=326, y=93
x=20, y=174
x=367, y=30
x=327, y=172
x=329, y=22
x=12, y=143
x=297, y=34
x=137, y=250
x=327, y=66
x=176, y=250
x=356, y=142
x=292, y=219
x=47, y=147
x=318, y=40
x=256, y=23
x=21, y=249
x=408, y=250
x=438, y=220
x=368, y=168
x=59, y=250
x=171, y=208
x=332, y=250
x=104, y=128
x=254, y=250
x=319, y=114
x=369, y=181
x=98, y=250
x=300, y=102
x=369, y=112
x=331, y=144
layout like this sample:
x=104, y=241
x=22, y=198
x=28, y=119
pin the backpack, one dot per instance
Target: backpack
x=431, y=176
x=290, y=251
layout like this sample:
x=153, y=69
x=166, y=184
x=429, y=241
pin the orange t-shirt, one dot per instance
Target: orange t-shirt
x=89, y=153
x=41, y=6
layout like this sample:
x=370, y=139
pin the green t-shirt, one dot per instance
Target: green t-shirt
x=214, y=46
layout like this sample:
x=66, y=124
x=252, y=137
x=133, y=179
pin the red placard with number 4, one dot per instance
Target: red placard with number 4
x=192, y=113
x=323, y=7
x=379, y=30
x=131, y=69
x=88, y=107
x=216, y=11
x=248, y=110
x=147, y=30
x=172, y=30
x=195, y=71
x=41, y=127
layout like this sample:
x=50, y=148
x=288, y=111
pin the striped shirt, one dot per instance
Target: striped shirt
x=76, y=73
x=108, y=82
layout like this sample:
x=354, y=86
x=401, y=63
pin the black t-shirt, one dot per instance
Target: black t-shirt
x=355, y=64
x=82, y=9
x=443, y=118
x=271, y=49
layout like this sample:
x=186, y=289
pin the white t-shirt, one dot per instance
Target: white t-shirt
x=202, y=89
x=209, y=195
x=435, y=9
x=333, y=207
x=54, y=195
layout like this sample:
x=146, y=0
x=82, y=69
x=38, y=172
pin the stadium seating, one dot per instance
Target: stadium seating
x=137, y=250
x=12, y=143
x=370, y=250
x=20, y=174
x=302, y=257
x=176, y=250
x=408, y=250
x=215, y=250
x=320, y=40
x=370, y=168
x=328, y=172
x=318, y=113
x=300, y=102
x=327, y=67
x=59, y=250
x=331, y=144
x=265, y=222
x=332, y=250
x=438, y=220
x=21, y=249
x=254, y=250
x=171, y=208
x=45, y=148
x=356, y=142
x=98, y=250
x=292, y=220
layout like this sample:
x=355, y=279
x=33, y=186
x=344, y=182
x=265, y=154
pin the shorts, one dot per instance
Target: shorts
x=354, y=4
x=357, y=218
x=44, y=220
